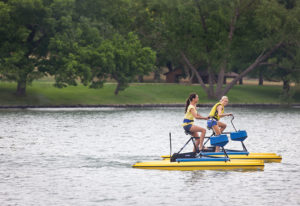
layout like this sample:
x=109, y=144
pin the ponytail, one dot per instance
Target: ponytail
x=187, y=104
x=188, y=101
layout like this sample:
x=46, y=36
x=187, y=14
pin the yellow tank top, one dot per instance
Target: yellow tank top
x=188, y=115
x=214, y=113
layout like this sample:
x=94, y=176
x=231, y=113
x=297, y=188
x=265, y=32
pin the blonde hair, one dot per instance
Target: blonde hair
x=224, y=97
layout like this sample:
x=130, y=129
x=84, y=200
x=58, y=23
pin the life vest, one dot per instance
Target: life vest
x=214, y=112
x=188, y=117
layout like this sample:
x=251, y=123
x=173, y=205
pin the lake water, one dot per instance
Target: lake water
x=84, y=157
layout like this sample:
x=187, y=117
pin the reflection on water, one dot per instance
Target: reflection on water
x=84, y=157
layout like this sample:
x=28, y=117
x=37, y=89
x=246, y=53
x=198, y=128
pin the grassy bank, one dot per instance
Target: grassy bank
x=43, y=93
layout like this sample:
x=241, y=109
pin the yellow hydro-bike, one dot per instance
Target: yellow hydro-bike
x=209, y=159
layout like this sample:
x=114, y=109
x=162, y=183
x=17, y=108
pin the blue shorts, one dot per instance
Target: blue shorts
x=187, y=127
x=211, y=123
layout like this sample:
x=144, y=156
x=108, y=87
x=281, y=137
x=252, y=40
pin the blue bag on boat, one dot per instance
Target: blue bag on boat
x=238, y=136
x=220, y=140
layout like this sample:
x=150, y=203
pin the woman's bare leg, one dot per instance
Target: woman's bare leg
x=222, y=126
x=199, y=142
x=203, y=132
x=217, y=132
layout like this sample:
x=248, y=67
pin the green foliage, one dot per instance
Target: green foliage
x=284, y=66
x=123, y=59
x=219, y=36
x=69, y=53
x=68, y=39
x=23, y=39
x=88, y=41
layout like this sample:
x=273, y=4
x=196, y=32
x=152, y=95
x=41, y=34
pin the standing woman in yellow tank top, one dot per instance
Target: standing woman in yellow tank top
x=188, y=122
x=215, y=114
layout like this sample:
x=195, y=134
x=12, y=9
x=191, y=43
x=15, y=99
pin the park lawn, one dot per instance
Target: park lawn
x=42, y=93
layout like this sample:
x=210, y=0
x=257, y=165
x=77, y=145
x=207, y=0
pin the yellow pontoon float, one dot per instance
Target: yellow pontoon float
x=202, y=164
x=266, y=157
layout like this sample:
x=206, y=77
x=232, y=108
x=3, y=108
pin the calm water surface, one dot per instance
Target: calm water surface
x=84, y=157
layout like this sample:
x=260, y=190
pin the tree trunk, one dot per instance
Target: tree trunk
x=219, y=92
x=241, y=81
x=21, y=88
x=170, y=67
x=141, y=78
x=192, y=77
x=286, y=96
x=286, y=86
x=188, y=73
x=262, y=57
x=261, y=78
x=220, y=82
x=117, y=88
x=211, y=81
x=157, y=75
x=196, y=73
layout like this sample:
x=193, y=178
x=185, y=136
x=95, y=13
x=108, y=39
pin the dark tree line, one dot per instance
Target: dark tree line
x=93, y=40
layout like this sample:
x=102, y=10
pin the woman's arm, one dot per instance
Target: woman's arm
x=196, y=115
x=219, y=109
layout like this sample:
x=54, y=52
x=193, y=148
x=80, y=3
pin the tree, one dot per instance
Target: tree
x=68, y=39
x=25, y=31
x=284, y=66
x=223, y=35
x=147, y=21
x=105, y=47
x=35, y=34
x=71, y=51
x=122, y=59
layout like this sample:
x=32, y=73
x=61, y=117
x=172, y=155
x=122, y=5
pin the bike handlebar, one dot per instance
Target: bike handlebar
x=232, y=122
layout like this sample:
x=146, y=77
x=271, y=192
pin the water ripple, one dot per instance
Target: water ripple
x=84, y=157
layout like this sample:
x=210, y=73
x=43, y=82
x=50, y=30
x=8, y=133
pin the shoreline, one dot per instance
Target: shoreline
x=143, y=105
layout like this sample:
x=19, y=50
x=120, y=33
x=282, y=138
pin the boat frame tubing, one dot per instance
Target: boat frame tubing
x=213, y=133
x=196, y=149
